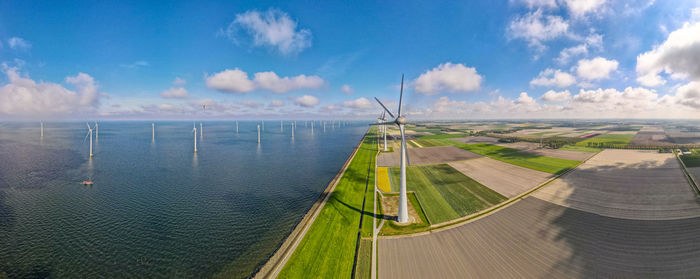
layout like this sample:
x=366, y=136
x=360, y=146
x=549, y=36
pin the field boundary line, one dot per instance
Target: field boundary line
x=688, y=175
x=284, y=251
x=476, y=216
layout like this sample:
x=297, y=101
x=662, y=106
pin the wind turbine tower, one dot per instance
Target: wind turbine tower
x=236, y=126
x=312, y=127
x=194, y=129
x=153, y=131
x=258, y=133
x=89, y=134
x=401, y=121
x=201, y=131
x=42, y=129
x=292, y=129
x=97, y=131
x=281, y=128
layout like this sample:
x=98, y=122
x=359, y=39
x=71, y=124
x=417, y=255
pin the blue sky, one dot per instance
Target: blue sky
x=298, y=59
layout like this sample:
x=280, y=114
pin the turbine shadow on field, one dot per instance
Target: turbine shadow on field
x=630, y=244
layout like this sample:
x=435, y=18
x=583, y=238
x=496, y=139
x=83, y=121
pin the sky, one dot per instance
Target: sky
x=515, y=59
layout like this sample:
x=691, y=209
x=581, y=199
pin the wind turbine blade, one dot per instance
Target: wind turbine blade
x=88, y=125
x=86, y=135
x=401, y=96
x=386, y=109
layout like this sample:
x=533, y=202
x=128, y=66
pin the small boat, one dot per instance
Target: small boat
x=87, y=183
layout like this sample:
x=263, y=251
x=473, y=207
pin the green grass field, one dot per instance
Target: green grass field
x=364, y=261
x=442, y=136
x=517, y=157
x=692, y=160
x=463, y=194
x=435, y=142
x=607, y=139
x=580, y=148
x=446, y=193
x=435, y=206
x=328, y=248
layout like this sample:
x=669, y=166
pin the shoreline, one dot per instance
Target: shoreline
x=274, y=264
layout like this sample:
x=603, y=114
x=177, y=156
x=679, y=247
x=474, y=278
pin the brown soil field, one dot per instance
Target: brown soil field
x=390, y=209
x=425, y=156
x=630, y=184
x=506, y=179
x=650, y=138
x=533, y=148
x=537, y=239
x=471, y=140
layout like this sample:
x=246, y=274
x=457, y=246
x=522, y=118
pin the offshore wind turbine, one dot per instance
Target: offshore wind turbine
x=293, y=129
x=97, y=131
x=89, y=133
x=153, y=132
x=42, y=129
x=236, y=126
x=401, y=121
x=258, y=133
x=194, y=129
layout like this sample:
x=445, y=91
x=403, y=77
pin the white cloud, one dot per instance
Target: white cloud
x=552, y=96
x=137, y=64
x=596, y=68
x=632, y=102
x=689, y=95
x=592, y=41
x=276, y=103
x=272, y=28
x=347, y=89
x=233, y=81
x=538, y=3
x=251, y=104
x=550, y=77
x=18, y=43
x=270, y=81
x=179, y=81
x=360, y=103
x=535, y=28
x=25, y=97
x=579, y=8
x=175, y=93
x=679, y=56
x=237, y=81
x=306, y=101
x=448, y=77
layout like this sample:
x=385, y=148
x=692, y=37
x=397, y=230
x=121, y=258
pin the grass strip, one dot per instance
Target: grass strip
x=327, y=249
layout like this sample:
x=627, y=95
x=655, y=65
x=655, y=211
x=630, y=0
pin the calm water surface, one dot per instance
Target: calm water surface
x=157, y=209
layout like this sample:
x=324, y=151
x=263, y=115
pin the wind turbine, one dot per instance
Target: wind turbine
x=382, y=128
x=42, y=129
x=401, y=121
x=97, y=131
x=153, y=134
x=89, y=134
x=194, y=129
x=258, y=133
x=236, y=127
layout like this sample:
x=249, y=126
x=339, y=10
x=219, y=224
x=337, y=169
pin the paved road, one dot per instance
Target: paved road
x=534, y=239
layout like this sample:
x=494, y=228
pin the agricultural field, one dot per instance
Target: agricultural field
x=692, y=160
x=383, y=179
x=579, y=148
x=607, y=139
x=533, y=238
x=533, y=148
x=328, y=248
x=424, y=156
x=631, y=184
x=446, y=193
x=520, y=158
x=507, y=179
x=470, y=140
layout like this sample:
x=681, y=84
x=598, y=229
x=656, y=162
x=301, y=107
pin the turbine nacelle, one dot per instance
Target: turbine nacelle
x=401, y=120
